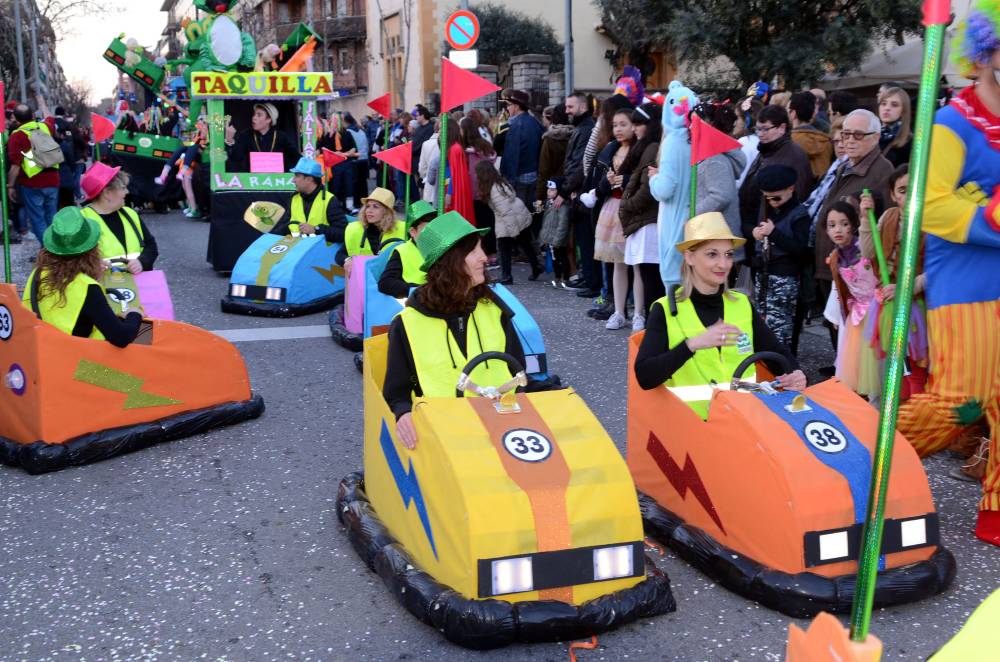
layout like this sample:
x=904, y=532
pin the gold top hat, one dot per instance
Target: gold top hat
x=707, y=227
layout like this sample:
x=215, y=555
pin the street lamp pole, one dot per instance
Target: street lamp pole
x=23, y=84
x=568, y=50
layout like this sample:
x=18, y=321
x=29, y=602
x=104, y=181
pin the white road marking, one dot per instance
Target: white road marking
x=275, y=333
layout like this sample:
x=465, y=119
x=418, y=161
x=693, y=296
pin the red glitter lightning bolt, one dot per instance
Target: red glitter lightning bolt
x=682, y=479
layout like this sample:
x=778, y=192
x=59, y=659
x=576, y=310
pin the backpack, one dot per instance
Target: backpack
x=45, y=151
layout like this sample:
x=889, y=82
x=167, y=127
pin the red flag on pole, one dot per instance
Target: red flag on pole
x=399, y=157
x=707, y=141
x=330, y=159
x=936, y=12
x=459, y=85
x=382, y=105
x=103, y=127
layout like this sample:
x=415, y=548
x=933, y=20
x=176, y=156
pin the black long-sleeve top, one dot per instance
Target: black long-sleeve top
x=150, y=251
x=97, y=312
x=401, y=373
x=391, y=281
x=656, y=362
x=251, y=141
x=335, y=217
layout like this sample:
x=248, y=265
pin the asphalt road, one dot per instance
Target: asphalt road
x=225, y=546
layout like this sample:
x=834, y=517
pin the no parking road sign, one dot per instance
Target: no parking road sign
x=461, y=30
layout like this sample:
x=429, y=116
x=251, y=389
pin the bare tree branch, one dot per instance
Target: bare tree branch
x=61, y=14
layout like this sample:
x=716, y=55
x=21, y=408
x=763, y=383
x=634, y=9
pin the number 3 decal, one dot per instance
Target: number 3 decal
x=6, y=323
x=824, y=437
x=527, y=445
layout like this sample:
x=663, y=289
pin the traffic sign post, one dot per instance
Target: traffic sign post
x=461, y=30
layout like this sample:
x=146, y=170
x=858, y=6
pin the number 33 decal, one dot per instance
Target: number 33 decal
x=824, y=437
x=527, y=445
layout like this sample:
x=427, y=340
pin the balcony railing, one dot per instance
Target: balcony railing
x=344, y=28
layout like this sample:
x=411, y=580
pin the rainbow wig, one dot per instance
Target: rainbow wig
x=978, y=37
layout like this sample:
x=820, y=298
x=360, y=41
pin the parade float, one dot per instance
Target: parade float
x=767, y=496
x=489, y=531
x=69, y=401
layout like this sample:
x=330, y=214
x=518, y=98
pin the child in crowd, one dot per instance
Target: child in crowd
x=184, y=157
x=890, y=231
x=513, y=220
x=555, y=234
x=609, y=237
x=781, y=251
x=855, y=285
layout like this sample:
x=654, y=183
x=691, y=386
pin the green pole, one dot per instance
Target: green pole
x=877, y=240
x=3, y=219
x=871, y=541
x=443, y=161
x=385, y=145
x=406, y=201
x=694, y=189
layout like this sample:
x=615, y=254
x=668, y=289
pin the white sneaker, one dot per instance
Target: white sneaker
x=638, y=322
x=615, y=322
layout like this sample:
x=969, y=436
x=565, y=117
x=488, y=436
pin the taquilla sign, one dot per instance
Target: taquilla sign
x=261, y=84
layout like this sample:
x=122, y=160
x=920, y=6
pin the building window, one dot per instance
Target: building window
x=341, y=8
x=344, y=57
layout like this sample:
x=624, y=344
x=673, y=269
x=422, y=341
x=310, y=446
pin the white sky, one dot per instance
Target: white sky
x=81, y=53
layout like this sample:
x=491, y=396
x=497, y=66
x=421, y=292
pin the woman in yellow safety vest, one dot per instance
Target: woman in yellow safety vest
x=376, y=223
x=698, y=344
x=448, y=321
x=403, y=270
x=64, y=291
x=124, y=237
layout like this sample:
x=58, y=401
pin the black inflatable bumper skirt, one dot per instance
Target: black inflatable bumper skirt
x=242, y=306
x=341, y=336
x=484, y=624
x=802, y=595
x=41, y=457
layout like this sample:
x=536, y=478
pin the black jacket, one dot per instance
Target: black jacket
x=573, y=174
x=401, y=374
x=788, y=248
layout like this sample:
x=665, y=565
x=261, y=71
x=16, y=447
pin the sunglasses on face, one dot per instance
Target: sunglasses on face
x=773, y=198
x=855, y=135
x=763, y=129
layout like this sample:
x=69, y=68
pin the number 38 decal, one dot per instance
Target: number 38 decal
x=527, y=445
x=824, y=437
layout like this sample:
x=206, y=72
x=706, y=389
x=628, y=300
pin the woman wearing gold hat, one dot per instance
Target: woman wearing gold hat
x=701, y=336
x=64, y=291
x=451, y=319
x=375, y=224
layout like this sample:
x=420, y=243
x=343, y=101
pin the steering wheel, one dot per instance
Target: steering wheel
x=773, y=357
x=494, y=392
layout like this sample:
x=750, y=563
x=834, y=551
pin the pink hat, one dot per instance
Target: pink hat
x=97, y=179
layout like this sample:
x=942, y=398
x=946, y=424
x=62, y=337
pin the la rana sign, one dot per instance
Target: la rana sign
x=261, y=84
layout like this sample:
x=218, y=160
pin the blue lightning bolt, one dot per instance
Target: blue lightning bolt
x=406, y=482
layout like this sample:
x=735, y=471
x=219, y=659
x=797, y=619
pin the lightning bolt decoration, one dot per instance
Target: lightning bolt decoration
x=331, y=273
x=682, y=480
x=406, y=483
x=105, y=377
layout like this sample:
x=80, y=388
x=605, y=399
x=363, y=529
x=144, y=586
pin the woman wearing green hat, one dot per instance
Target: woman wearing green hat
x=403, y=271
x=63, y=290
x=448, y=321
x=376, y=223
x=700, y=341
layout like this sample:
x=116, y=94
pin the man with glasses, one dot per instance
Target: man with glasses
x=865, y=168
x=775, y=148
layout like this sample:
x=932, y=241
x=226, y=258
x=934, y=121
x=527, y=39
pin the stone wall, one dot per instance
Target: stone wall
x=530, y=73
x=489, y=102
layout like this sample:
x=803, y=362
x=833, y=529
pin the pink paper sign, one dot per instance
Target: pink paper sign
x=267, y=162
